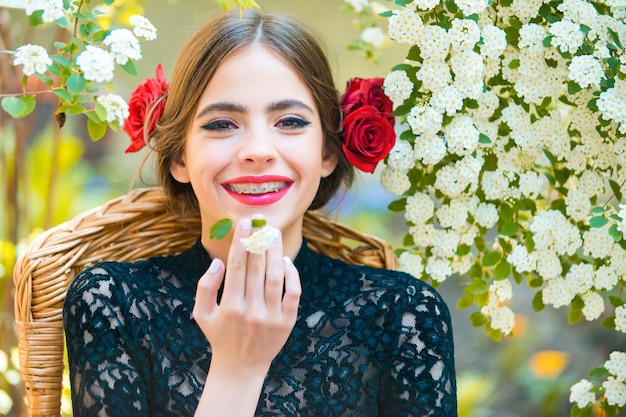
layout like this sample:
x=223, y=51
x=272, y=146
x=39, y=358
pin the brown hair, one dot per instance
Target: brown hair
x=197, y=63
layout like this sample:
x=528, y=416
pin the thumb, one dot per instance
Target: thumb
x=206, y=291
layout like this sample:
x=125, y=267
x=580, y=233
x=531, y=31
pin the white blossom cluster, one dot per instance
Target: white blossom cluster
x=514, y=129
x=261, y=240
x=95, y=62
x=614, y=386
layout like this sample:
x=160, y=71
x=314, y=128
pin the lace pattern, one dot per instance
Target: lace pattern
x=367, y=342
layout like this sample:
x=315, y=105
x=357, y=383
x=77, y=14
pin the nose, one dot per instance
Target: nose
x=258, y=146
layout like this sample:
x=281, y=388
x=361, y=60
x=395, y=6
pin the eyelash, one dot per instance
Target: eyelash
x=290, y=122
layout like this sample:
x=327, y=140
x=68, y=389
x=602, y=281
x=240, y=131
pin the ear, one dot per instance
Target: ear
x=178, y=169
x=329, y=163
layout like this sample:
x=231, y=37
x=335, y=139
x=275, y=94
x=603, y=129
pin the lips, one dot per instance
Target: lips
x=258, y=190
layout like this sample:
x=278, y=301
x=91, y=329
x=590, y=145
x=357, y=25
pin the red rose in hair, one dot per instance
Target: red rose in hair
x=361, y=92
x=149, y=96
x=368, y=133
x=367, y=137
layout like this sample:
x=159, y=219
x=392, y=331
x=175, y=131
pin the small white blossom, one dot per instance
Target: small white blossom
x=598, y=242
x=401, y=156
x=521, y=260
x=438, y=268
x=395, y=181
x=124, y=45
x=96, y=63
x=620, y=319
x=405, y=26
x=580, y=276
x=503, y=319
x=558, y=292
x=567, y=36
x=419, y=208
x=605, y=278
x=464, y=34
x=594, y=305
x=434, y=43
x=486, y=215
x=616, y=365
x=426, y=4
x=261, y=240
x=142, y=27
x=586, y=71
x=525, y=10
x=581, y=394
x=116, y=107
x=430, y=149
x=494, y=41
x=411, y=263
x=614, y=391
x=52, y=9
x=424, y=120
x=358, y=5
x=461, y=136
x=398, y=87
x=34, y=58
x=448, y=100
x=470, y=7
x=374, y=36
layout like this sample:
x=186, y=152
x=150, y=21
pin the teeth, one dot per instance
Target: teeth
x=250, y=188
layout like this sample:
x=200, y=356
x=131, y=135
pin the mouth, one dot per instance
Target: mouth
x=257, y=188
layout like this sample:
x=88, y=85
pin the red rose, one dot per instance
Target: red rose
x=362, y=92
x=147, y=95
x=368, y=136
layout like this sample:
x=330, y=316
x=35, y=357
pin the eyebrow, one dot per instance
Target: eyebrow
x=227, y=106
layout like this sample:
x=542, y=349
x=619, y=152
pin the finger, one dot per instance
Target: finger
x=275, y=277
x=293, y=290
x=235, y=283
x=255, y=280
x=206, y=290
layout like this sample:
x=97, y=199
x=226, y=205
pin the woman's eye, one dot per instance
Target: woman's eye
x=219, y=125
x=292, y=122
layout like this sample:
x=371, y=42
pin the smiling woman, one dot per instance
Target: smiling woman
x=251, y=128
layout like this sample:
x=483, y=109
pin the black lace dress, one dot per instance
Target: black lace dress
x=367, y=342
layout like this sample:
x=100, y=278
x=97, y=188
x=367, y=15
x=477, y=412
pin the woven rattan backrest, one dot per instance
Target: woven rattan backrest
x=135, y=226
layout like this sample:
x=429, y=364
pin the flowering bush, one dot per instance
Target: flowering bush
x=512, y=146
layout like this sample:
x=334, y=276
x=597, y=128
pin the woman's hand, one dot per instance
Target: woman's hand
x=249, y=326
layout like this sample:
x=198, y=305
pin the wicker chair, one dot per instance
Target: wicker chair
x=135, y=226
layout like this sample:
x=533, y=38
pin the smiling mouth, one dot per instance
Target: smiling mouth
x=255, y=189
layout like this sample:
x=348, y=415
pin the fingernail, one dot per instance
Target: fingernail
x=215, y=266
x=245, y=224
x=287, y=260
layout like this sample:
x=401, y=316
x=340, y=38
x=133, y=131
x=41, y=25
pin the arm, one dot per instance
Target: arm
x=420, y=380
x=249, y=326
x=101, y=355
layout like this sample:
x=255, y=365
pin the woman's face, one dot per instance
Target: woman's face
x=254, y=146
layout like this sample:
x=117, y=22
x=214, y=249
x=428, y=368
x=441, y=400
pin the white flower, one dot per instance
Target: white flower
x=34, y=58
x=116, y=107
x=398, y=87
x=426, y=4
x=598, y=242
x=616, y=365
x=395, y=181
x=620, y=319
x=577, y=205
x=447, y=100
x=521, y=260
x=526, y=9
x=581, y=394
x=419, y=208
x=374, y=36
x=558, y=292
x=434, y=43
x=531, y=36
x=454, y=214
x=614, y=392
x=580, y=276
x=401, y=156
x=605, y=278
x=586, y=71
x=434, y=75
x=502, y=289
x=424, y=120
x=411, y=263
x=464, y=34
x=405, y=26
x=430, y=149
x=567, y=36
x=124, y=45
x=486, y=215
x=470, y=7
x=494, y=41
x=594, y=305
x=461, y=136
x=142, y=27
x=612, y=103
x=438, y=268
x=96, y=63
x=261, y=240
x=503, y=319
x=52, y=9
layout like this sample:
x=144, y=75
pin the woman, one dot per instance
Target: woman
x=251, y=129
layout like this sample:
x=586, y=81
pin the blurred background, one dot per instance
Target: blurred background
x=49, y=176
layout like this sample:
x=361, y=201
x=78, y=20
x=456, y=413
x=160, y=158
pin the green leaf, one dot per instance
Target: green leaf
x=76, y=83
x=506, y=212
x=502, y=271
x=478, y=319
x=63, y=94
x=514, y=63
x=538, y=304
x=491, y=258
x=130, y=68
x=397, y=205
x=615, y=233
x=465, y=302
x=573, y=87
x=547, y=41
x=408, y=240
x=608, y=323
x=61, y=60
x=96, y=130
x=598, y=221
x=510, y=229
x=597, y=210
x=477, y=287
x=482, y=138
x=19, y=106
x=258, y=223
x=221, y=228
